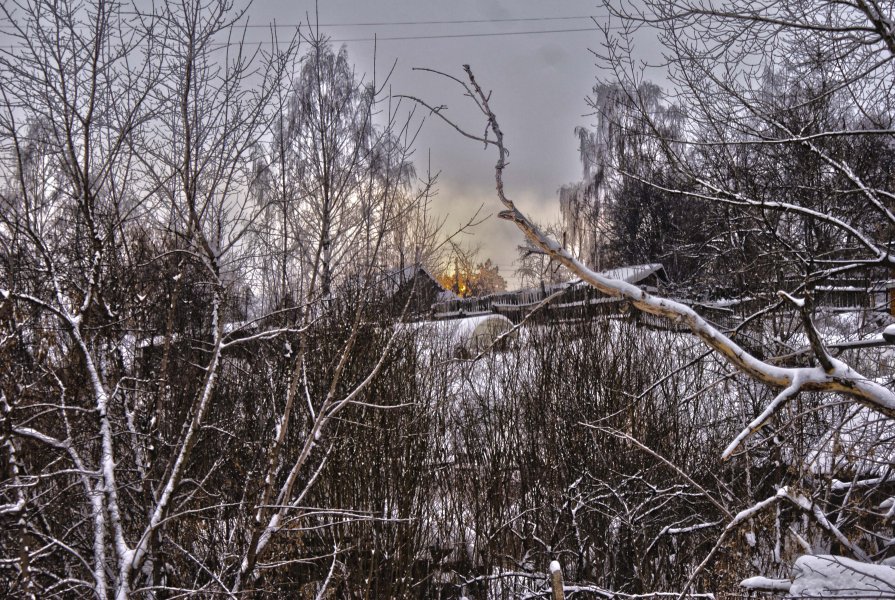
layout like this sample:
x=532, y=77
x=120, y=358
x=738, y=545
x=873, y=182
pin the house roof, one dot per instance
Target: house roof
x=636, y=273
x=631, y=274
x=529, y=297
x=399, y=276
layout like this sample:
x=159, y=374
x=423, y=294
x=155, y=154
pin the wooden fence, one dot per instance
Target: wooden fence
x=580, y=301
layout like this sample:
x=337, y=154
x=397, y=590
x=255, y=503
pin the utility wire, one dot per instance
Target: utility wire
x=449, y=22
x=406, y=37
x=426, y=37
x=461, y=35
x=389, y=23
x=275, y=25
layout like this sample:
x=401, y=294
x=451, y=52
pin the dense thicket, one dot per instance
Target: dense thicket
x=198, y=276
x=208, y=259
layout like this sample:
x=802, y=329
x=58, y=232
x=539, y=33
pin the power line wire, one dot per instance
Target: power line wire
x=461, y=35
x=391, y=23
x=407, y=37
x=436, y=22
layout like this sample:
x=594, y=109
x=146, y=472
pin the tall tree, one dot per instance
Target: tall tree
x=329, y=130
x=621, y=212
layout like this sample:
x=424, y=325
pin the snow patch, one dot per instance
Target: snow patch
x=828, y=576
x=765, y=584
x=836, y=576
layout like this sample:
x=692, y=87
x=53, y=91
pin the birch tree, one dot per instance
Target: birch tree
x=161, y=430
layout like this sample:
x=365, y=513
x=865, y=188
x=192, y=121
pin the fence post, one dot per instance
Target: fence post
x=556, y=580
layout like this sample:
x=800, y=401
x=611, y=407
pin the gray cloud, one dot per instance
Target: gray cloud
x=539, y=83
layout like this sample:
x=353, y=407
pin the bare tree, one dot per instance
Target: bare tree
x=783, y=105
x=733, y=122
x=130, y=145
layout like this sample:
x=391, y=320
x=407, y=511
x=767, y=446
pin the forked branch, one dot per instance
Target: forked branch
x=831, y=376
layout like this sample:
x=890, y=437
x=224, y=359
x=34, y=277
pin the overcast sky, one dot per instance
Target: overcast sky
x=539, y=84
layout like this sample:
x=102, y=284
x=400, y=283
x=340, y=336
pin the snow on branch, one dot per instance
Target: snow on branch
x=758, y=422
x=835, y=376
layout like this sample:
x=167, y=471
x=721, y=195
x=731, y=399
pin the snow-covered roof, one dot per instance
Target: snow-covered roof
x=630, y=274
x=447, y=307
x=407, y=273
x=636, y=273
x=446, y=296
x=398, y=276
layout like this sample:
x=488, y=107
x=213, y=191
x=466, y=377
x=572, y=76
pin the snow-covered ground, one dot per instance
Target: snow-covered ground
x=828, y=576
